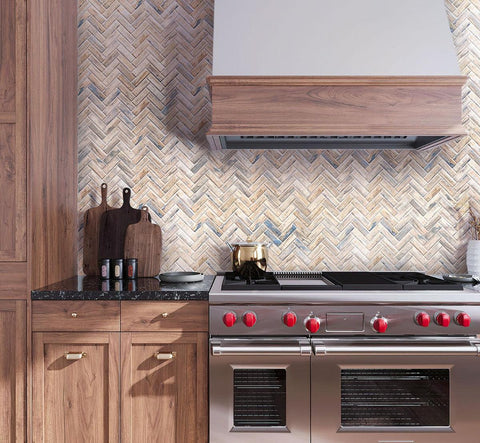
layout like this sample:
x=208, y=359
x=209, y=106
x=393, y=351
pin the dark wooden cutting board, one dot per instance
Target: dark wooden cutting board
x=91, y=229
x=143, y=241
x=113, y=227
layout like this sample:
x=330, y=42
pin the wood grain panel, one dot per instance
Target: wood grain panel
x=75, y=315
x=12, y=370
x=13, y=280
x=164, y=316
x=358, y=80
x=164, y=400
x=7, y=117
x=12, y=195
x=7, y=55
x=52, y=103
x=329, y=109
x=76, y=401
x=13, y=130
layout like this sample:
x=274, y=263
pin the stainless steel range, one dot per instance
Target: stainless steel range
x=351, y=357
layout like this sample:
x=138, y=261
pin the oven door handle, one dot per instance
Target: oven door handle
x=321, y=349
x=226, y=347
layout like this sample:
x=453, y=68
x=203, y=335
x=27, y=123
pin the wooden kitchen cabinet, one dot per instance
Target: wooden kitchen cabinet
x=38, y=148
x=164, y=387
x=76, y=400
x=12, y=370
x=156, y=375
x=13, y=149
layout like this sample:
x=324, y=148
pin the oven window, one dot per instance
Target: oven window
x=395, y=397
x=259, y=397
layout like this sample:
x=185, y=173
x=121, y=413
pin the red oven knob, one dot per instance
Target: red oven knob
x=229, y=319
x=380, y=324
x=249, y=318
x=423, y=319
x=289, y=319
x=463, y=319
x=442, y=319
x=312, y=324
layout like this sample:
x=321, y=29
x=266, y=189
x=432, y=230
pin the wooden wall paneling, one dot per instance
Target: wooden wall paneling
x=76, y=401
x=12, y=370
x=164, y=400
x=52, y=107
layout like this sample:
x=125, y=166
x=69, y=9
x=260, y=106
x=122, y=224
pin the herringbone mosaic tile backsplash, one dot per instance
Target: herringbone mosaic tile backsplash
x=143, y=113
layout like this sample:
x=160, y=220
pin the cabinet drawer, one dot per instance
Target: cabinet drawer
x=75, y=315
x=164, y=316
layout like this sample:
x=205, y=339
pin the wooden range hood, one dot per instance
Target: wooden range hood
x=346, y=74
x=295, y=112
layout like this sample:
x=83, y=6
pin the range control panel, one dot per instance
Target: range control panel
x=234, y=320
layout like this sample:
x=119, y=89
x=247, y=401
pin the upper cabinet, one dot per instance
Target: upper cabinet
x=38, y=144
x=13, y=171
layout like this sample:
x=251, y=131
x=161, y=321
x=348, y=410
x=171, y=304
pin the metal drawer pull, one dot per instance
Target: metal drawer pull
x=164, y=314
x=165, y=356
x=74, y=315
x=374, y=349
x=288, y=348
x=75, y=355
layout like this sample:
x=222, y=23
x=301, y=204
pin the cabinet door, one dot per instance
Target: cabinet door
x=12, y=370
x=12, y=130
x=76, y=399
x=164, y=387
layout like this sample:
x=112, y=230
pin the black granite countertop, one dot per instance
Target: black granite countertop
x=93, y=288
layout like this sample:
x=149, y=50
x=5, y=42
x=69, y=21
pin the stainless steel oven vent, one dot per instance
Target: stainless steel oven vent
x=259, y=397
x=395, y=397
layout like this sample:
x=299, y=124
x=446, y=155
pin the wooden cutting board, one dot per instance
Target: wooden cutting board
x=113, y=227
x=91, y=230
x=143, y=241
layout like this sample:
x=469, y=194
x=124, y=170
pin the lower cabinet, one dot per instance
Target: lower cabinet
x=12, y=370
x=105, y=387
x=164, y=387
x=76, y=387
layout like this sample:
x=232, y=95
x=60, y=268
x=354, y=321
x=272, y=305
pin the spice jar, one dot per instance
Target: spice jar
x=131, y=268
x=104, y=266
x=117, y=268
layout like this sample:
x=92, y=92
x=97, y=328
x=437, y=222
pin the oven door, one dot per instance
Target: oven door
x=395, y=390
x=260, y=390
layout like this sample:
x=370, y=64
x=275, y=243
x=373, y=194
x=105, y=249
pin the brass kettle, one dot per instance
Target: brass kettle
x=249, y=259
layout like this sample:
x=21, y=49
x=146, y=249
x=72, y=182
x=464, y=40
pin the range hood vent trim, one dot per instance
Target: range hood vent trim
x=374, y=110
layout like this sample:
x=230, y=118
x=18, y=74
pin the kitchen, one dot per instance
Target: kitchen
x=119, y=92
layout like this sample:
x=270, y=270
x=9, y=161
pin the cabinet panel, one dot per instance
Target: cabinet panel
x=12, y=195
x=165, y=316
x=12, y=130
x=13, y=278
x=7, y=52
x=76, y=400
x=75, y=316
x=12, y=370
x=164, y=399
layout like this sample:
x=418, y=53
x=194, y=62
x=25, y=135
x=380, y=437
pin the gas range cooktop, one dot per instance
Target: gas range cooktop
x=347, y=281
